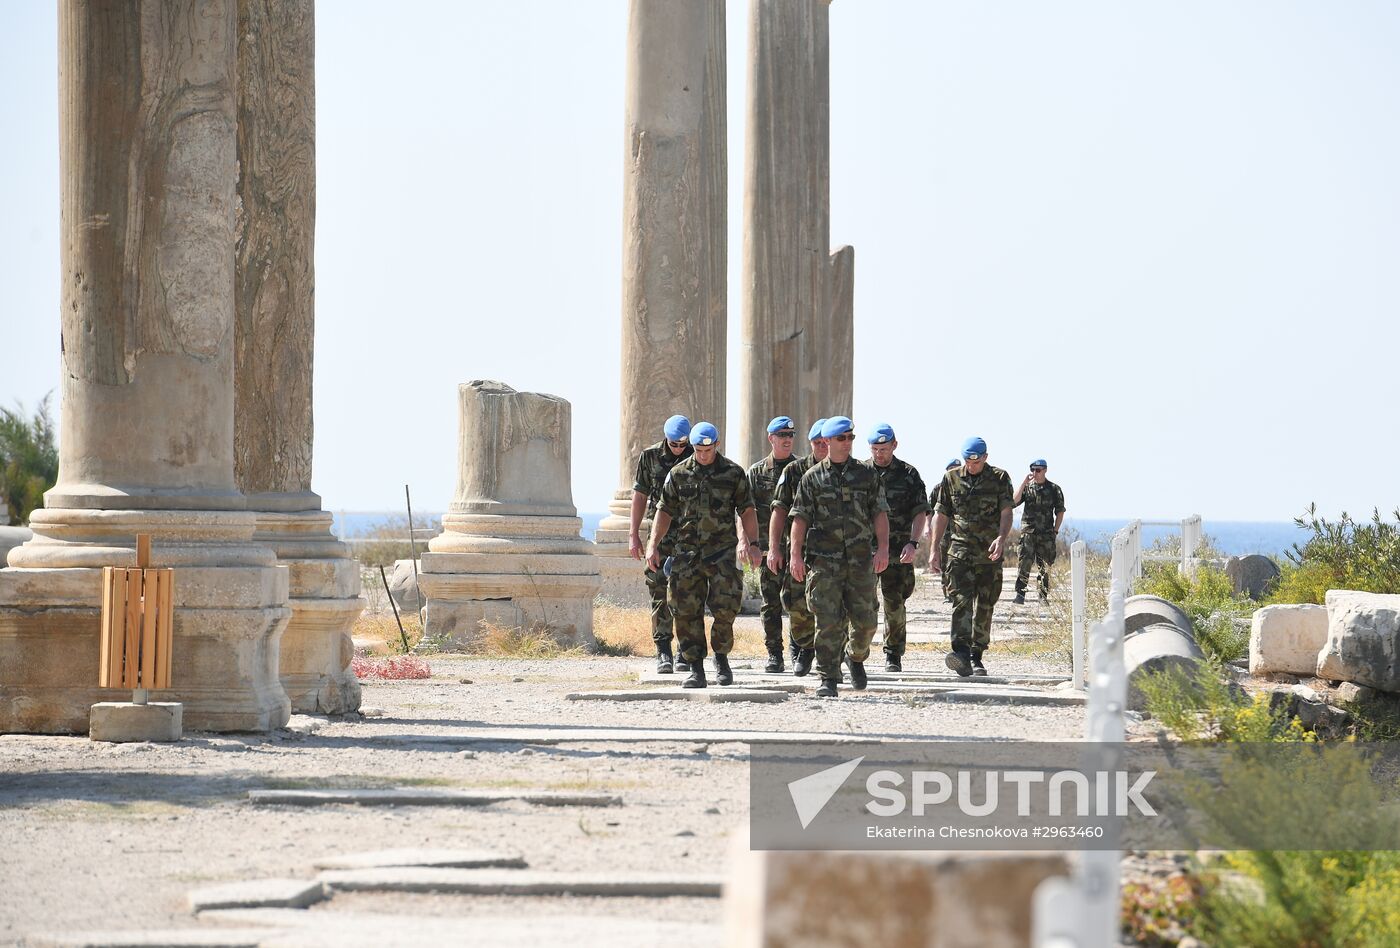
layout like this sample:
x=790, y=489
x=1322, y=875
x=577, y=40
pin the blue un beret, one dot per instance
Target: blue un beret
x=840, y=424
x=974, y=445
x=815, y=432
x=781, y=423
x=880, y=434
x=952, y=463
x=1039, y=462
x=704, y=433
x=676, y=427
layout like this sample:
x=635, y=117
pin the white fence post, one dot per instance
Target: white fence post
x=1191, y=536
x=1083, y=911
x=1078, y=593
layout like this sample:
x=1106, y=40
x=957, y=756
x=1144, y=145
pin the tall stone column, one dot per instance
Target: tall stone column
x=274, y=306
x=798, y=327
x=674, y=245
x=148, y=169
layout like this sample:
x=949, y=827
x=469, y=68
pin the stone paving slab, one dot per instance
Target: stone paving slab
x=258, y=893
x=1058, y=699
x=522, y=882
x=787, y=681
x=712, y=695
x=415, y=797
x=546, y=736
x=424, y=858
x=331, y=929
x=165, y=938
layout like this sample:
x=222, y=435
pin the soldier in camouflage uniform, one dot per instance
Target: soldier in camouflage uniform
x=653, y=465
x=702, y=497
x=841, y=525
x=947, y=534
x=975, y=499
x=1040, y=526
x=803, y=628
x=909, y=510
x=763, y=482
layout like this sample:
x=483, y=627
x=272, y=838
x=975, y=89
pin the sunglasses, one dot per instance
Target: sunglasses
x=1037, y=470
x=844, y=437
x=677, y=444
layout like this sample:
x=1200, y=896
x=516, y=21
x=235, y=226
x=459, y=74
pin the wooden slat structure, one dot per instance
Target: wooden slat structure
x=138, y=615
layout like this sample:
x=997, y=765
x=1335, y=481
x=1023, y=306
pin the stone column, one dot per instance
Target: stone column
x=510, y=553
x=674, y=245
x=274, y=341
x=148, y=169
x=797, y=296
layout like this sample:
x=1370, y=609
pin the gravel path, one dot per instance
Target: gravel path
x=114, y=836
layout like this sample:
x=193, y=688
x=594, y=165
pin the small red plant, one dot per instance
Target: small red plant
x=395, y=667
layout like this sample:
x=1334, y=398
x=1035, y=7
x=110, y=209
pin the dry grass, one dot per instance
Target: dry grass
x=1052, y=640
x=381, y=628
x=626, y=631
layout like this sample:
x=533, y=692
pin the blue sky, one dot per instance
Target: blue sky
x=1155, y=244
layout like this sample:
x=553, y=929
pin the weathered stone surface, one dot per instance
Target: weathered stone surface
x=1315, y=714
x=259, y=893
x=120, y=722
x=522, y=882
x=714, y=695
x=428, y=797
x=147, y=432
x=159, y=938
x=424, y=858
x=1363, y=639
x=1287, y=639
x=930, y=900
x=1143, y=610
x=1157, y=648
x=403, y=587
x=1350, y=693
x=1252, y=575
x=798, y=324
x=675, y=241
x=510, y=553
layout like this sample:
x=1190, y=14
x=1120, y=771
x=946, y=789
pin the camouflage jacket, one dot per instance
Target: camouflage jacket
x=1043, y=503
x=786, y=492
x=973, y=506
x=702, y=500
x=763, y=482
x=839, y=503
x=653, y=465
x=904, y=492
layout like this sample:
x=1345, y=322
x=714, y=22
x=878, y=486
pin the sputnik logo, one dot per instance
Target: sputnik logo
x=812, y=793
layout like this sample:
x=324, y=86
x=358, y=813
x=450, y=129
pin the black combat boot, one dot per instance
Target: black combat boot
x=827, y=689
x=696, y=678
x=664, y=664
x=892, y=662
x=803, y=663
x=1020, y=599
x=775, y=663
x=681, y=664
x=723, y=674
x=794, y=650
x=858, y=679
x=960, y=662
x=977, y=667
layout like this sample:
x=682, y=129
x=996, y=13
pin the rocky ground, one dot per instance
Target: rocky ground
x=114, y=837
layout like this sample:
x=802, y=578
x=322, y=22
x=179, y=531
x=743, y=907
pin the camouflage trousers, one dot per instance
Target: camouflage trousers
x=975, y=587
x=896, y=585
x=841, y=593
x=718, y=585
x=1035, y=548
x=943, y=558
x=802, y=627
x=661, y=618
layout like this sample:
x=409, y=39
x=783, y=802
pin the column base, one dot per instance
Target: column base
x=316, y=650
x=623, y=582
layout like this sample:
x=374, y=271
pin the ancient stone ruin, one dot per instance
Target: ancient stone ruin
x=510, y=554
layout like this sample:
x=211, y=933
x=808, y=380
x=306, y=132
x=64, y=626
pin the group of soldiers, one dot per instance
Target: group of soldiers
x=832, y=537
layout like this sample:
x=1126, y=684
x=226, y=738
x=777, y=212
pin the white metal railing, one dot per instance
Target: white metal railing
x=1192, y=533
x=1082, y=910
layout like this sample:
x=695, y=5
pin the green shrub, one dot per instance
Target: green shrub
x=1207, y=706
x=1341, y=554
x=1220, y=618
x=28, y=460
